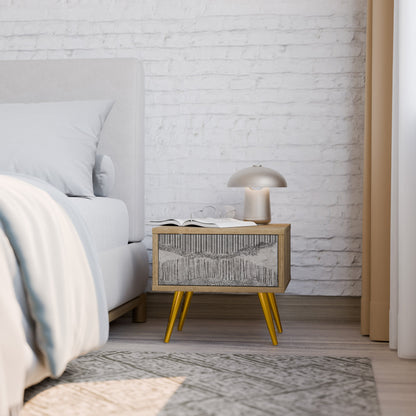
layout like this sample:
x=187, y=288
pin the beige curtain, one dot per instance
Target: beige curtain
x=377, y=171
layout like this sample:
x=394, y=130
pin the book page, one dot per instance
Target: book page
x=220, y=222
x=205, y=222
x=170, y=221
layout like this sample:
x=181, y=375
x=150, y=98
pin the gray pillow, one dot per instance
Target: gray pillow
x=103, y=175
x=54, y=141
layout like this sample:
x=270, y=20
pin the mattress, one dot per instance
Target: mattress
x=125, y=271
x=107, y=220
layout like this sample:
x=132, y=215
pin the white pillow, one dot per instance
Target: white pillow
x=54, y=141
x=103, y=175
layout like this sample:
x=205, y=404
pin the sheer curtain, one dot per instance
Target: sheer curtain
x=403, y=183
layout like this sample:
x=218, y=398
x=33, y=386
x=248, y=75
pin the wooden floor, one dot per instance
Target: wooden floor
x=320, y=326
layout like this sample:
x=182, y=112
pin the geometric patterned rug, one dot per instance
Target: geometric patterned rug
x=190, y=384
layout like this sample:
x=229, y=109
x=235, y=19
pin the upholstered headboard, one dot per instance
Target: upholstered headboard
x=123, y=134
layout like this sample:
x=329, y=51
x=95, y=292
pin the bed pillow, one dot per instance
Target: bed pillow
x=54, y=141
x=103, y=175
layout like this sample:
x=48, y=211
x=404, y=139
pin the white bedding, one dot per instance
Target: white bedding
x=107, y=220
x=122, y=137
x=55, y=141
x=58, y=300
x=124, y=266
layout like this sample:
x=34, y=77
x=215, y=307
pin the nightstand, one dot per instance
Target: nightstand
x=222, y=260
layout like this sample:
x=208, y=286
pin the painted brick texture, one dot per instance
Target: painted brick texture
x=229, y=84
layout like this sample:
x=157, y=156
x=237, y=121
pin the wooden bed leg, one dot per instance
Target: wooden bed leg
x=139, y=312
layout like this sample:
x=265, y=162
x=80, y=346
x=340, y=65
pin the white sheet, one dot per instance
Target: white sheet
x=107, y=220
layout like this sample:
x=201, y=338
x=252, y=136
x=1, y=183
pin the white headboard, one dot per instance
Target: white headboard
x=123, y=134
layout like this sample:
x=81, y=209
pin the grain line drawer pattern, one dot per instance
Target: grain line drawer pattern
x=218, y=260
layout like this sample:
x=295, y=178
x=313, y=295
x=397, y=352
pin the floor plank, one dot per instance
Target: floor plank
x=247, y=306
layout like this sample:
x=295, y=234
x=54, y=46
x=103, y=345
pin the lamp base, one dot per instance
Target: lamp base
x=257, y=205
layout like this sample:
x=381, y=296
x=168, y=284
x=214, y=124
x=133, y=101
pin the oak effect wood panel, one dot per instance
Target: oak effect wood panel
x=138, y=305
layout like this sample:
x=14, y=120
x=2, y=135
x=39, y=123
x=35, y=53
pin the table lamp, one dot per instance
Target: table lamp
x=257, y=180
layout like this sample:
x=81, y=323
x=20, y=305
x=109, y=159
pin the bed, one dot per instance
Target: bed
x=110, y=225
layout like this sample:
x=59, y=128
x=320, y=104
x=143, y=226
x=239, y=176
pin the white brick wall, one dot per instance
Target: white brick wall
x=230, y=83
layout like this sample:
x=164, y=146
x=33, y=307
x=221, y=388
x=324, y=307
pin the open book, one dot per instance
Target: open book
x=205, y=222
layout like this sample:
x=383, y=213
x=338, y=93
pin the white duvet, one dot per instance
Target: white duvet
x=52, y=303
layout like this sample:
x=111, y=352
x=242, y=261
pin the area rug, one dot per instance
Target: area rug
x=181, y=384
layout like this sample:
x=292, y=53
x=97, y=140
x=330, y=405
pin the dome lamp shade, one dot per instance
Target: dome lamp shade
x=257, y=180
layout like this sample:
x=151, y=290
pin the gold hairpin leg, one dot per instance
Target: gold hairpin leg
x=185, y=308
x=273, y=304
x=177, y=299
x=265, y=304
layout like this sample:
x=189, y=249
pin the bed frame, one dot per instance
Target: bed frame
x=138, y=305
x=122, y=137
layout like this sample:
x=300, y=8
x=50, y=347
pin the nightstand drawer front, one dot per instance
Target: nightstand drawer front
x=248, y=260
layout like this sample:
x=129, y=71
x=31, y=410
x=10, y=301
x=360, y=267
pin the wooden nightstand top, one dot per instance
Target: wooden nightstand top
x=258, y=229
